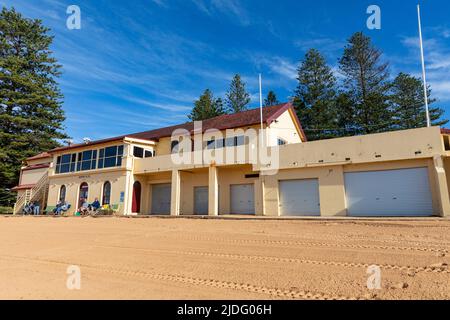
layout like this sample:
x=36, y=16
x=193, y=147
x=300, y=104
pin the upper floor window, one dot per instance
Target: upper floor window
x=138, y=152
x=110, y=157
x=281, y=142
x=174, y=146
x=66, y=163
x=149, y=154
x=87, y=160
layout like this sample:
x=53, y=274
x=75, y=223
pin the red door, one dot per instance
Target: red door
x=136, y=205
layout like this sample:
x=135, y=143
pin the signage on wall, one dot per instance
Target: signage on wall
x=122, y=197
x=84, y=177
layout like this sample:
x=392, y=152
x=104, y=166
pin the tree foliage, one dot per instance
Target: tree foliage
x=237, y=98
x=407, y=99
x=315, y=97
x=366, y=82
x=207, y=107
x=271, y=99
x=31, y=116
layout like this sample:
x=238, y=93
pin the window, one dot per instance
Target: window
x=148, y=154
x=174, y=146
x=110, y=157
x=138, y=152
x=66, y=163
x=281, y=142
x=62, y=193
x=234, y=141
x=87, y=160
x=211, y=144
x=106, y=199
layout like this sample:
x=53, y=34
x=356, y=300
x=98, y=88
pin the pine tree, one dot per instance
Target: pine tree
x=366, y=81
x=237, y=98
x=207, y=107
x=408, y=104
x=271, y=99
x=31, y=115
x=315, y=97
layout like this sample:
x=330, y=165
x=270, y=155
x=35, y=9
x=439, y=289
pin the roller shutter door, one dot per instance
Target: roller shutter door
x=396, y=193
x=242, y=199
x=161, y=194
x=299, y=197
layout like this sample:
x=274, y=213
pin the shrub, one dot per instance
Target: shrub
x=6, y=210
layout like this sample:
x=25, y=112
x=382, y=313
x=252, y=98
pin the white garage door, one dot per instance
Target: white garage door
x=404, y=192
x=242, y=199
x=201, y=200
x=299, y=197
x=161, y=194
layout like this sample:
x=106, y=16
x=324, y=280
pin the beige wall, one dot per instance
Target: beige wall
x=95, y=182
x=32, y=176
x=285, y=128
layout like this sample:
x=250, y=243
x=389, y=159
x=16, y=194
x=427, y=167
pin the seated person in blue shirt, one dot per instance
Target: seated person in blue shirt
x=95, y=205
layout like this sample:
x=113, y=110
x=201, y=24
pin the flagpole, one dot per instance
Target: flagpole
x=261, y=102
x=424, y=76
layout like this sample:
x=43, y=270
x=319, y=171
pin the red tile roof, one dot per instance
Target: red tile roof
x=228, y=121
x=42, y=155
x=23, y=187
x=36, y=166
x=445, y=131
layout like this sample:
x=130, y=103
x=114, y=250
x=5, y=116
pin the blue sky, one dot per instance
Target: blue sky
x=137, y=65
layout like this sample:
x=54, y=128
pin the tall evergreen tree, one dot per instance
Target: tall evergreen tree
x=366, y=82
x=237, y=98
x=207, y=107
x=271, y=99
x=315, y=97
x=409, y=106
x=31, y=115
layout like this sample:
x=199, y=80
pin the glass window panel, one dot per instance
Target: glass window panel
x=138, y=152
x=119, y=161
x=111, y=151
x=120, y=151
x=58, y=160
x=240, y=140
x=87, y=155
x=100, y=164
x=110, y=162
x=66, y=158
x=102, y=153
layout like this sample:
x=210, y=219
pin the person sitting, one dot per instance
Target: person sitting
x=95, y=205
x=57, y=209
x=84, y=207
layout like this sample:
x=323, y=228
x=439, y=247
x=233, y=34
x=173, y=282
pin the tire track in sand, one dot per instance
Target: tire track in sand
x=308, y=243
x=273, y=292
x=393, y=267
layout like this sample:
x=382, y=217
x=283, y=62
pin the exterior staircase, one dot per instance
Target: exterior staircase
x=38, y=193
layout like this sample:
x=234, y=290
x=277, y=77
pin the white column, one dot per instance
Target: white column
x=176, y=193
x=213, y=192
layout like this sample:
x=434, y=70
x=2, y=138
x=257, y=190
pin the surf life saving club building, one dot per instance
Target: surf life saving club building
x=229, y=166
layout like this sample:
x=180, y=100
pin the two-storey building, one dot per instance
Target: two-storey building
x=402, y=173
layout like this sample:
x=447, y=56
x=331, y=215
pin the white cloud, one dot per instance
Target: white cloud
x=437, y=57
x=231, y=8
